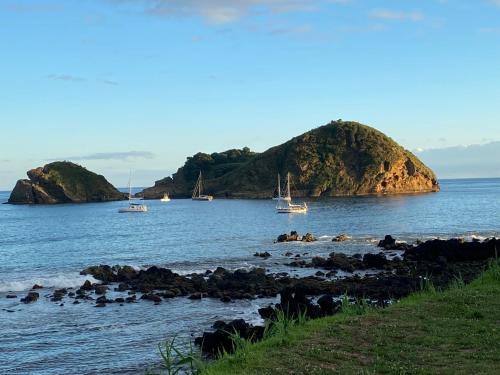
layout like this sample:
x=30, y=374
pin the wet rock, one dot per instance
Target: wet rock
x=387, y=243
x=103, y=299
x=76, y=302
x=262, y=255
x=288, y=254
x=119, y=300
x=122, y=287
x=30, y=297
x=36, y=286
x=374, y=260
x=298, y=263
x=454, y=250
x=151, y=297
x=220, y=340
x=308, y=237
x=110, y=274
x=100, y=289
x=58, y=295
x=167, y=294
x=195, y=296
x=390, y=243
x=328, y=305
x=293, y=236
x=10, y=296
x=131, y=299
x=320, y=274
x=225, y=299
x=267, y=312
x=87, y=285
x=341, y=238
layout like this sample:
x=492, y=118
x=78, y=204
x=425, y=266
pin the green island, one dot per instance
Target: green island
x=337, y=159
x=63, y=182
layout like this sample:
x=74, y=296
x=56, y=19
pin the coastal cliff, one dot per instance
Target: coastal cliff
x=337, y=159
x=63, y=182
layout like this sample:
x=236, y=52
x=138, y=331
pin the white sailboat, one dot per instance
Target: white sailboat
x=285, y=205
x=132, y=207
x=165, y=198
x=198, y=191
x=280, y=197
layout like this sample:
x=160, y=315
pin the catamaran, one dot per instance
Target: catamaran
x=165, y=198
x=285, y=205
x=198, y=191
x=132, y=207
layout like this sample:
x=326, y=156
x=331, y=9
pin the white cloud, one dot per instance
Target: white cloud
x=225, y=11
x=112, y=156
x=395, y=15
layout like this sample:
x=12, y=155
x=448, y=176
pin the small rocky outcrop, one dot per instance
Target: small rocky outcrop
x=30, y=297
x=341, y=238
x=294, y=236
x=63, y=182
x=264, y=254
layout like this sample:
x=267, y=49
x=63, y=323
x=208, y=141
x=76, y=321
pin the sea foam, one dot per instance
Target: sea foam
x=72, y=280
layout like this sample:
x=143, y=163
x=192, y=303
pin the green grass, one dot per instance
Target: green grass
x=456, y=331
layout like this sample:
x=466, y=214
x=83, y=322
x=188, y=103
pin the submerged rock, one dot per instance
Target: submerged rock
x=262, y=255
x=30, y=297
x=341, y=238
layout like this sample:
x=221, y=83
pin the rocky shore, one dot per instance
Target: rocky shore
x=396, y=271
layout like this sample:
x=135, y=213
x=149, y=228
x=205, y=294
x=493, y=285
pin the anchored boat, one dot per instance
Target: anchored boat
x=198, y=191
x=285, y=205
x=132, y=207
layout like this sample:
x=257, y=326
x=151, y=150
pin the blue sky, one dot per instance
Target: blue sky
x=141, y=84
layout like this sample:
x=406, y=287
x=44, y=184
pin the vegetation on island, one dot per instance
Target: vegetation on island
x=63, y=182
x=340, y=158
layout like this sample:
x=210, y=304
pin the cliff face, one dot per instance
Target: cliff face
x=340, y=158
x=63, y=182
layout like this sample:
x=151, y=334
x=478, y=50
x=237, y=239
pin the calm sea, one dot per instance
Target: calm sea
x=49, y=245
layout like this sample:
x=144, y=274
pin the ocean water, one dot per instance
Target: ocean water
x=50, y=245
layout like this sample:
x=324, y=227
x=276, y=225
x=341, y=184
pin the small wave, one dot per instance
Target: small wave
x=56, y=281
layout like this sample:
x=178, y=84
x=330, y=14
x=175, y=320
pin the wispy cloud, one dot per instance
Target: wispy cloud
x=108, y=82
x=225, y=11
x=395, y=15
x=112, y=156
x=72, y=78
x=23, y=7
x=490, y=30
x=65, y=77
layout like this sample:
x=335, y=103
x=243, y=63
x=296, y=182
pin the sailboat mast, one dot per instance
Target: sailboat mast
x=288, y=185
x=279, y=187
x=130, y=186
x=200, y=187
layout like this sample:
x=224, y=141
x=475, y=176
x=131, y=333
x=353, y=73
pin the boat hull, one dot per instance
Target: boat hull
x=133, y=209
x=203, y=198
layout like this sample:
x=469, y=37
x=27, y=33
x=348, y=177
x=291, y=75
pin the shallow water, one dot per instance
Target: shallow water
x=49, y=245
